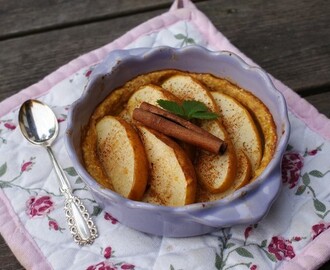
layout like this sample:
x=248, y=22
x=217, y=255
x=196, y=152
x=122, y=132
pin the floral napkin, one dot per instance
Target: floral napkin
x=294, y=234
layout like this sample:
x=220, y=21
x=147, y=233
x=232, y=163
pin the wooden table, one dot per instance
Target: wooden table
x=288, y=38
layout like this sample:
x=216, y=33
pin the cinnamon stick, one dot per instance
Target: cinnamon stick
x=183, y=122
x=177, y=127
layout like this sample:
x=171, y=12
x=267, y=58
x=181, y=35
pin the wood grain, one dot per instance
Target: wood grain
x=7, y=258
x=26, y=60
x=278, y=37
x=26, y=17
x=321, y=102
x=289, y=39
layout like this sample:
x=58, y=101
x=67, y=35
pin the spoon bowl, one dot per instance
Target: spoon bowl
x=38, y=123
x=39, y=126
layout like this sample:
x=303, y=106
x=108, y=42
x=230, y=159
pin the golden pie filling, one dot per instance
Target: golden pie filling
x=140, y=162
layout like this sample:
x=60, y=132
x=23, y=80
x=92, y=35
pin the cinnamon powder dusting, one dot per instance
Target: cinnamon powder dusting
x=203, y=161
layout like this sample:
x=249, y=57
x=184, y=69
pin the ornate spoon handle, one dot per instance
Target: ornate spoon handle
x=80, y=224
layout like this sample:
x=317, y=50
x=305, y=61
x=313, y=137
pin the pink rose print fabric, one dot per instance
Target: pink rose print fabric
x=281, y=248
x=110, y=218
x=107, y=264
x=292, y=164
x=53, y=225
x=39, y=206
x=9, y=126
x=317, y=229
x=26, y=166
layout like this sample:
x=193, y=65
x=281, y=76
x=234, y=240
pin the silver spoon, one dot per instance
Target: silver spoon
x=40, y=127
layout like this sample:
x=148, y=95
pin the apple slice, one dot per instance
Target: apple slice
x=216, y=172
x=172, y=179
x=149, y=93
x=240, y=127
x=243, y=177
x=244, y=170
x=258, y=110
x=187, y=88
x=122, y=156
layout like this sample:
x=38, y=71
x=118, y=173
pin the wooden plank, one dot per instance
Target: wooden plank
x=321, y=102
x=26, y=60
x=290, y=39
x=301, y=60
x=7, y=258
x=22, y=17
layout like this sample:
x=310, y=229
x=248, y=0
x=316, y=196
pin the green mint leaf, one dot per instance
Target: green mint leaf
x=189, y=109
x=205, y=115
x=191, y=106
x=171, y=106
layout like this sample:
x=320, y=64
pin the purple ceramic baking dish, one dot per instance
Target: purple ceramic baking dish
x=247, y=205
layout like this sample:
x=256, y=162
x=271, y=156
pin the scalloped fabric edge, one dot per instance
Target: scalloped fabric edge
x=313, y=255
